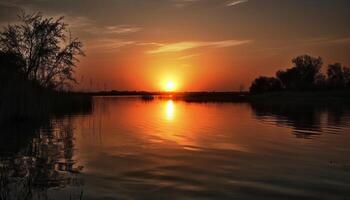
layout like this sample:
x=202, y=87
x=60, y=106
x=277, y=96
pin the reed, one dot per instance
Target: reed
x=23, y=100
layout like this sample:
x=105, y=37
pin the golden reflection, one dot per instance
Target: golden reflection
x=170, y=110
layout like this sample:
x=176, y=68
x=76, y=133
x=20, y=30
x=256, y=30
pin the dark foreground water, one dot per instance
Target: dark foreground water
x=163, y=149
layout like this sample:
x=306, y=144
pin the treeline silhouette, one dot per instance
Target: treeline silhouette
x=305, y=75
x=37, y=62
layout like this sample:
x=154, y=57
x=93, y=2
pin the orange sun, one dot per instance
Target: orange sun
x=170, y=86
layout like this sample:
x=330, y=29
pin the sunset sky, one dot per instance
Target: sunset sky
x=194, y=44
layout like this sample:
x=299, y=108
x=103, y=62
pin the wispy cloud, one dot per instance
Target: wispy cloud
x=182, y=3
x=234, y=3
x=182, y=46
x=187, y=57
x=123, y=29
x=110, y=45
x=150, y=44
x=327, y=40
x=85, y=24
x=78, y=22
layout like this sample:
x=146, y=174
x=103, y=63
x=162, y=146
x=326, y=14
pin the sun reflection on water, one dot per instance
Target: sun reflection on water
x=170, y=110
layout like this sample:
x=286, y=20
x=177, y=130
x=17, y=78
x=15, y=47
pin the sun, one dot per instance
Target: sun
x=170, y=86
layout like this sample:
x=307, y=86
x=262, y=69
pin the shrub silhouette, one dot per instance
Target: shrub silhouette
x=49, y=55
x=303, y=75
x=265, y=84
x=338, y=76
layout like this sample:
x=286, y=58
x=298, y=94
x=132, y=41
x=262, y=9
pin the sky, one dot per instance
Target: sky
x=212, y=45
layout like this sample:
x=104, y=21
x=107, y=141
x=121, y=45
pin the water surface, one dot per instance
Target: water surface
x=163, y=149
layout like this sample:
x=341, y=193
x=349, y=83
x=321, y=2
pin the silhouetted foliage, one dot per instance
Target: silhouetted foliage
x=37, y=58
x=320, y=81
x=49, y=55
x=304, y=74
x=338, y=76
x=10, y=65
x=265, y=84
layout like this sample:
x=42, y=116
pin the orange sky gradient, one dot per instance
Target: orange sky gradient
x=211, y=45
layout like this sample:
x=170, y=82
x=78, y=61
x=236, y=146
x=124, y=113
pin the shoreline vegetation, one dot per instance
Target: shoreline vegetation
x=37, y=105
x=38, y=58
x=282, y=97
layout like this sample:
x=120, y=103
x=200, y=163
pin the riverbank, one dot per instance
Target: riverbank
x=300, y=97
x=305, y=97
x=25, y=102
x=183, y=96
x=286, y=97
x=322, y=96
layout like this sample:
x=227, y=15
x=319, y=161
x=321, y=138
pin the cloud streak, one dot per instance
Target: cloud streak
x=123, y=29
x=326, y=40
x=84, y=24
x=234, y=3
x=109, y=45
x=182, y=3
x=183, y=46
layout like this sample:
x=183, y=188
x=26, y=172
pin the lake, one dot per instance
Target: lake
x=127, y=148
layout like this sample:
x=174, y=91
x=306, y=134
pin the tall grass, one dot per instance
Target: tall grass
x=23, y=100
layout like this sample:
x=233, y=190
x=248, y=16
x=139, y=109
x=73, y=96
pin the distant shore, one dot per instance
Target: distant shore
x=185, y=96
x=328, y=96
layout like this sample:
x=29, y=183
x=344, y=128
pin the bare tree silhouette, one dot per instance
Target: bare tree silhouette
x=50, y=55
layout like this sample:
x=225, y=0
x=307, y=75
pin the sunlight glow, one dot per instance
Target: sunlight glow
x=169, y=110
x=170, y=86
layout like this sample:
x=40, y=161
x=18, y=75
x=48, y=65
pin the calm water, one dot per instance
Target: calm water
x=163, y=149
